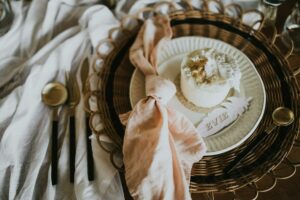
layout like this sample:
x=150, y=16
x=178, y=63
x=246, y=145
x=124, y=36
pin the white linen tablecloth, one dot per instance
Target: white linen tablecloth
x=132, y=6
x=47, y=39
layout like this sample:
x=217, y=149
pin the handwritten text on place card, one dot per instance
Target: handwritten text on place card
x=223, y=116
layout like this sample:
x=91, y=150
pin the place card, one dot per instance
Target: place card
x=224, y=115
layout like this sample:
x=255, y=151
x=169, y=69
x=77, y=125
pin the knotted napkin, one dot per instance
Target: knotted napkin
x=160, y=144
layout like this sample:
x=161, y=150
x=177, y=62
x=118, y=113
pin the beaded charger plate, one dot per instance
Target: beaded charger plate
x=169, y=61
x=113, y=96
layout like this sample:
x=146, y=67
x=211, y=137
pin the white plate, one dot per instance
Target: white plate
x=169, y=58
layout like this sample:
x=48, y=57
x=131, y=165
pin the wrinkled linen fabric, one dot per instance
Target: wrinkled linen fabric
x=132, y=6
x=47, y=39
x=160, y=144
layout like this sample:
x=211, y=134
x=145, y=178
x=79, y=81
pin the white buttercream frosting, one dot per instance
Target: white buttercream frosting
x=219, y=75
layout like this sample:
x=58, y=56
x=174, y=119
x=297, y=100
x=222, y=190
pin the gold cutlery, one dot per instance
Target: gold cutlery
x=281, y=117
x=54, y=94
x=73, y=100
x=90, y=162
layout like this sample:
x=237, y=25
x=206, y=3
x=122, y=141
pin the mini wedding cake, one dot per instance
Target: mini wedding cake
x=207, y=76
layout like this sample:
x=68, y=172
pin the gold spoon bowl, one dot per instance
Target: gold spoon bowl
x=54, y=94
x=283, y=116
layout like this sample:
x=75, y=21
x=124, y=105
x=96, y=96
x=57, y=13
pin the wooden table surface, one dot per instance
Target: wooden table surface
x=285, y=189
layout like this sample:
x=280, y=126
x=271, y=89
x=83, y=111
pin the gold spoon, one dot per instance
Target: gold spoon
x=54, y=94
x=281, y=116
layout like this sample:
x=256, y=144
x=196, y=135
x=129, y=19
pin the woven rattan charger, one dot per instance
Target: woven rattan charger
x=268, y=53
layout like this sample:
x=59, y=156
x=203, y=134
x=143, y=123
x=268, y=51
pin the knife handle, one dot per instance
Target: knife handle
x=90, y=160
x=251, y=146
x=54, y=152
x=72, y=148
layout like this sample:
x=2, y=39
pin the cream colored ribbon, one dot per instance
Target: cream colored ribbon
x=160, y=144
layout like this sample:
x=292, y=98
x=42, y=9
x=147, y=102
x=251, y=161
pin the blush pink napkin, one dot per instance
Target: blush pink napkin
x=160, y=144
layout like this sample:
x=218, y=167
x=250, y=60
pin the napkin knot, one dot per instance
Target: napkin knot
x=160, y=89
x=160, y=144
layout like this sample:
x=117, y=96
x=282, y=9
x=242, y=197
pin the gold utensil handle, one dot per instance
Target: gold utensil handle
x=297, y=72
x=250, y=147
x=270, y=128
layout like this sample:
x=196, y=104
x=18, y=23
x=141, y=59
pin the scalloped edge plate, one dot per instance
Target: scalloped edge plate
x=169, y=59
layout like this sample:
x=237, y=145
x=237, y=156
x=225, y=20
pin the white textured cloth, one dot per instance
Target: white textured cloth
x=47, y=39
x=132, y=6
